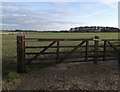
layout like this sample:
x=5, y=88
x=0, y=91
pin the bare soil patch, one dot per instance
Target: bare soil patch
x=73, y=76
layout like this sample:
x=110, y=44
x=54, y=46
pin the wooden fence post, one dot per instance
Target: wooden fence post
x=20, y=53
x=96, y=43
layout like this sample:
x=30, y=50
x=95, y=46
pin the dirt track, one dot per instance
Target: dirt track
x=73, y=76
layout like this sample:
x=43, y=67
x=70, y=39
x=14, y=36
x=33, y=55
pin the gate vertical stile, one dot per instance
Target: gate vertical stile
x=20, y=53
x=57, y=54
x=87, y=49
x=96, y=45
x=104, y=50
x=118, y=55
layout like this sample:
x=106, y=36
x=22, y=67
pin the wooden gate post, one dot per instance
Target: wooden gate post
x=20, y=53
x=96, y=43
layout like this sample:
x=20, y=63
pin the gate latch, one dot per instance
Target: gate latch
x=96, y=38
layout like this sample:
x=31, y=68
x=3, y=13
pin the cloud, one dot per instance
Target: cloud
x=94, y=13
x=25, y=16
x=97, y=7
x=110, y=3
x=41, y=0
x=17, y=17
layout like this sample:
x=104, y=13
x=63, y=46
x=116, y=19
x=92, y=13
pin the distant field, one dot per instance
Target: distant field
x=72, y=35
x=9, y=46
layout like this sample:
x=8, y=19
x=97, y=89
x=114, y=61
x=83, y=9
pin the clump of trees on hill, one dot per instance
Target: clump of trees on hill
x=94, y=29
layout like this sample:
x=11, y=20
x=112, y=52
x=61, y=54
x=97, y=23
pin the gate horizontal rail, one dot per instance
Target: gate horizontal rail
x=41, y=39
x=30, y=47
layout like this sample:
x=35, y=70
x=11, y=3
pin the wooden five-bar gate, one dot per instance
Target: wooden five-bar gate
x=94, y=49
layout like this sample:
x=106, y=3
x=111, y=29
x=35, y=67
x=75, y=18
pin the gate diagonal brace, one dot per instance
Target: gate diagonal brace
x=113, y=47
x=69, y=53
x=40, y=52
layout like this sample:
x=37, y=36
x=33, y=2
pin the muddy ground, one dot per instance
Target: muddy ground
x=73, y=76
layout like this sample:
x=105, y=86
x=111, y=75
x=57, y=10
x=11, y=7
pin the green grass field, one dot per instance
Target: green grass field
x=9, y=50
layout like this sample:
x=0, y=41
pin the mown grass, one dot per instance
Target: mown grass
x=9, y=55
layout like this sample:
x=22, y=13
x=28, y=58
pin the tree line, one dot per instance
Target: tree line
x=94, y=29
x=75, y=29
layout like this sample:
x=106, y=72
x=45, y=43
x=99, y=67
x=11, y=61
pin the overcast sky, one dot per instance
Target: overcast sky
x=58, y=15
